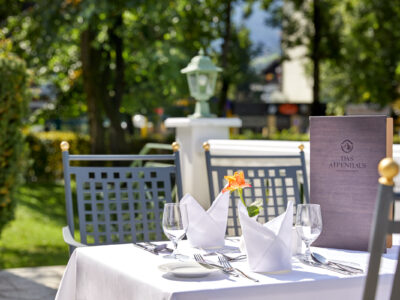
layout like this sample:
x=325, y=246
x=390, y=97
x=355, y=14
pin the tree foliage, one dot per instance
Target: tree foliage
x=368, y=67
x=352, y=44
x=14, y=100
x=311, y=24
x=111, y=59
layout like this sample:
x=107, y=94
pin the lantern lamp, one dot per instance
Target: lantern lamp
x=201, y=76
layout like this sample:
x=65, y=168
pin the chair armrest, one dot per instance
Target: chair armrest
x=68, y=238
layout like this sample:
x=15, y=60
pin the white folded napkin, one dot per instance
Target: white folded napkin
x=269, y=245
x=207, y=229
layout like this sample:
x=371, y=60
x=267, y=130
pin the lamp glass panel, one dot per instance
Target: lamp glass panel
x=203, y=79
x=211, y=83
x=202, y=82
x=192, y=80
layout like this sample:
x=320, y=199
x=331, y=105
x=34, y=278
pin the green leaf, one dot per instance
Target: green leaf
x=253, y=210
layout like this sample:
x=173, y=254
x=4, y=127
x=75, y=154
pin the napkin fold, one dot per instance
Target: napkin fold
x=206, y=229
x=269, y=245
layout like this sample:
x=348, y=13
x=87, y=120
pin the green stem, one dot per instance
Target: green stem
x=240, y=192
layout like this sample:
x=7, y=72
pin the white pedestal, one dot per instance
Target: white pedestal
x=191, y=134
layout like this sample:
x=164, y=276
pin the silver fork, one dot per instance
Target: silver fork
x=201, y=261
x=226, y=264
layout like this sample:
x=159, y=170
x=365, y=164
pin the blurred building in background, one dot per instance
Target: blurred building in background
x=281, y=99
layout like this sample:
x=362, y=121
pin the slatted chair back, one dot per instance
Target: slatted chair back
x=275, y=179
x=382, y=225
x=118, y=204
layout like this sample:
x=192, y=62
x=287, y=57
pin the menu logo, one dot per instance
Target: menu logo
x=347, y=146
x=347, y=161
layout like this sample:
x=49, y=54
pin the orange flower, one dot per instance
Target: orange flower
x=235, y=182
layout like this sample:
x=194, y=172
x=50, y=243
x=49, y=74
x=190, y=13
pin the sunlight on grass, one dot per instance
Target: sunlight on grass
x=34, y=238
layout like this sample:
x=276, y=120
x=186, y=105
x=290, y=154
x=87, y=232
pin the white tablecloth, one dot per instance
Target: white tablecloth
x=127, y=272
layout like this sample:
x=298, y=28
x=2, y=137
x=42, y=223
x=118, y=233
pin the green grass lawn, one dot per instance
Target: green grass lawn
x=34, y=238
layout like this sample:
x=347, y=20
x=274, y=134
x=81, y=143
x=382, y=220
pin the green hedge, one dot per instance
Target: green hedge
x=46, y=160
x=45, y=153
x=290, y=134
x=285, y=135
x=14, y=99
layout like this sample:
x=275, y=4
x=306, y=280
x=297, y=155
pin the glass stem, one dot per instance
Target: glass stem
x=175, y=244
x=308, y=251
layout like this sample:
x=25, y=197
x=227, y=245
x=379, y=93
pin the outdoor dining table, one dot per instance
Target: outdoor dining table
x=127, y=272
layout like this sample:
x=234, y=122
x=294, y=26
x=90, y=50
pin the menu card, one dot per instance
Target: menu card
x=344, y=156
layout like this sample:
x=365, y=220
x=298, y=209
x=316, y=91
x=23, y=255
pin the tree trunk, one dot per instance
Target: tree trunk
x=224, y=60
x=317, y=108
x=118, y=142
x=90, y=61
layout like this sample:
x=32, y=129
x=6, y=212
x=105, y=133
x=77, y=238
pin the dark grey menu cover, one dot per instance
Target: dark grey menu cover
x=344, y=156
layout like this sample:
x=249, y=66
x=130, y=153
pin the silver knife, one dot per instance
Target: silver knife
x=145, y=248
x=334, y=269
x=159, y=247
x=348, y=266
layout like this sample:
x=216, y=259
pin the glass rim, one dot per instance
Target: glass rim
x=309, y=204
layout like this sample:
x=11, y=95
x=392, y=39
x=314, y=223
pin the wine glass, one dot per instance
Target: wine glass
x=174, y=225
x=308, y=225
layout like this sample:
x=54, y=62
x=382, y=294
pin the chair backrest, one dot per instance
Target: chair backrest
x=275, y=179
x=149, y=147
x=118, y=204
x=382, y=225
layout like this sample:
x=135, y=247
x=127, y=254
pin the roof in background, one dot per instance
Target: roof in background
x=260, y=63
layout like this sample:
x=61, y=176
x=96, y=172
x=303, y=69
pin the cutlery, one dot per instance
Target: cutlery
x=201, y=261
x=321, y=259
x=229, y=258
x=347, y=263
x=226, y=264
x=159, y=247
x=145, y=248
x=319, y=265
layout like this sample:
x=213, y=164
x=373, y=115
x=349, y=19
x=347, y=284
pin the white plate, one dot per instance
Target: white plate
x=186, y=269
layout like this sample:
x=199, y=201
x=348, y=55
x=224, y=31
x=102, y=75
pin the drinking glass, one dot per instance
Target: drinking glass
x=174, y=225
x=308, y=225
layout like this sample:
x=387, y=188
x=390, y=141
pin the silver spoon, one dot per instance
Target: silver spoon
x=321, y=259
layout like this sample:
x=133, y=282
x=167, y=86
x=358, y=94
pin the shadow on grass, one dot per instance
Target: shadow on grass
x=45, y=198
x=40, y=208
x=43, y=256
